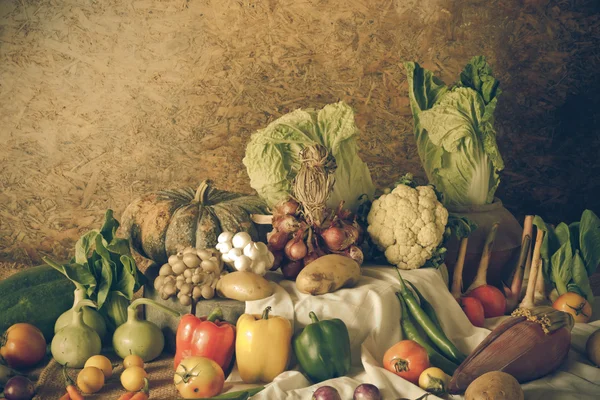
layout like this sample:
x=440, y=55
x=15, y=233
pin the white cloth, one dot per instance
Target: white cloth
x=371, y=312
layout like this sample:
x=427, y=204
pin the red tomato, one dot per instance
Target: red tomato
x=199, y=377
x=22, y=345
x=407, y=359
x=575, y=305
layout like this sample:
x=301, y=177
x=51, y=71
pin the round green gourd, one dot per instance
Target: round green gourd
x=76, y=342
x=139, y=337
x=163, y=223
x=91, y=317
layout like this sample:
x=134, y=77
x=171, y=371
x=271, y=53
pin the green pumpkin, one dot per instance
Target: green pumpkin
x=161, y=224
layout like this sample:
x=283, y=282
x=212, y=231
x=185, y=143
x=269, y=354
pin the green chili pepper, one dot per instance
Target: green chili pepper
x=411, y=332
x=426, y=306
x=436, y=334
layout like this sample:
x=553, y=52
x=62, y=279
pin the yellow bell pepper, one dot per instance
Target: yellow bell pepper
x=262, y=346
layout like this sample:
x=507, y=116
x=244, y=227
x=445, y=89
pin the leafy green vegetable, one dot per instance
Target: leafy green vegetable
x=272, y=154
x=454, y=130
x=571, y=253
x=104, y=267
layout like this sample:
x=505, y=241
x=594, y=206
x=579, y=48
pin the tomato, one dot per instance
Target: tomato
x=102, y=363
x=133, y=360
x=198, y=377
x=132, y=378
x=434, y=380
x=22, y=345
x=407, y=359
x=90, y=380
x=575, y=305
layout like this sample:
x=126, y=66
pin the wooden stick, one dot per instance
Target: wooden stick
x=535, y=265
x=458, y=269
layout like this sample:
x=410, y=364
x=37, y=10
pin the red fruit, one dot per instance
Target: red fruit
x=491, y=298
x=473, y=309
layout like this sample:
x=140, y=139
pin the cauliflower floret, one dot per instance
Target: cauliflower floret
x=408, y=225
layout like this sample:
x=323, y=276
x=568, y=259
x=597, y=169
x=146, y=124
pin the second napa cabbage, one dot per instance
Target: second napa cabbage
x=272, y=155
x=454, y=130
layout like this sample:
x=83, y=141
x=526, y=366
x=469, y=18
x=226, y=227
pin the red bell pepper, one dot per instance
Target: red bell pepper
x=209, y=337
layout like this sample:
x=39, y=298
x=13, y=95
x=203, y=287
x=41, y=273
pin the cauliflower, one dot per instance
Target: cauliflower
x=408, y=224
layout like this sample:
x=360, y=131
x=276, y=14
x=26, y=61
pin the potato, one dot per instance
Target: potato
x=243, y=286
x=327, y=274
x=495, y=385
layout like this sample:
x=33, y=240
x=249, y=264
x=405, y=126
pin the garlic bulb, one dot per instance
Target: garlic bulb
x=243, y=254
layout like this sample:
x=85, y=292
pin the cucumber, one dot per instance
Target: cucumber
x=38, y=296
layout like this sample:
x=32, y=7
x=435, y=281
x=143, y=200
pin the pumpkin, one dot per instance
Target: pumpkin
x=163, y=223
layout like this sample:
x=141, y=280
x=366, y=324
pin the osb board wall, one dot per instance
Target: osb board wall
x=101, y=101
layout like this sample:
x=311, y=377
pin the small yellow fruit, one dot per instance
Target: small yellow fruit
x=90, y=380
x=102, y=363
x=133, y=361
x=132, y=378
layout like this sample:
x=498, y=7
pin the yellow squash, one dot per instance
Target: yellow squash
x=262, y=346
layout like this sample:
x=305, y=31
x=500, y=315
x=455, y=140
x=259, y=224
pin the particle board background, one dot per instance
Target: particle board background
x=101, y=101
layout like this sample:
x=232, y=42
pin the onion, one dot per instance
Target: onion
x=292, y=269
x=326, y=393
x=286, y=223
x=335, y=238
x=289, y=207
x=366, y=391
x=295, y=249
x=277, y=240
x=310, y=257
x=278, y=258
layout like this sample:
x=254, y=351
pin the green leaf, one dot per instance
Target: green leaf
x=115, y=309
x=79, y=274
x=119, y=246
x=563, y=234
x=477, y=75
x=105, y=283
x=561, y=272
x=109, y=229
x=84, y=245
x=126, y=283
x=460, y=226
x=589, y=240
x=580, y=278
x=574, y=234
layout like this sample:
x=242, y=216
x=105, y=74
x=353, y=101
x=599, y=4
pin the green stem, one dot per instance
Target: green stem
x=313, y=317
x=84, y=303
x=132, y=314
x=68, y=379
x=215, y=314
x=265, y=314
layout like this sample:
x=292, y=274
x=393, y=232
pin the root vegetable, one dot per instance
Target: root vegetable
x=291, y=269
x=289, y=207
x=243, y=286
x=513, y=294
x=328, y=274
x=471, y=306
x=296, y=249
x=277, y=240
x=592, y=348
x=335, y=238
x=492, y=299
x=495, y=386
x=286, y=223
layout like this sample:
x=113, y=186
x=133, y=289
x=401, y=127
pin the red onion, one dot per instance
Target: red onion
x=366, y=391
x=292, y=269
x=296, y=249
x=278, y=259
x=310, y=257
x=277, y=240
x=326, y=393
x=289, y=207
x=335, y=238
x=286, y=223
x=351, y=231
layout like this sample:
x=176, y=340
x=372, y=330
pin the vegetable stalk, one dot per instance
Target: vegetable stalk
x=513, y=294
x=458, y=269
x=536, y=261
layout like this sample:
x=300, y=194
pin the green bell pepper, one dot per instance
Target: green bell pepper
x=323, y=349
